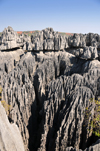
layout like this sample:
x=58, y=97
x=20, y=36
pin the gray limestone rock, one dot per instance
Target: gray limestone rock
x=60, y=42
x=58, y=93
x=9, y=39
x=18, y=92
x=10, y=137
x=86, y=52
x=48, y=44
x=64, y=42
x=56, y=43
x=77, y=40
x=37, y=41
x=48, y=33
x=50, y=90
x=93, y=40
x=36, y=88
x=62, y=108
x=94, y=147
x=38, y=45
x=47, y=39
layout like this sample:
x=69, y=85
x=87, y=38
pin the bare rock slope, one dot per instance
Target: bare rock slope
x=10, y=137
x=49, y=91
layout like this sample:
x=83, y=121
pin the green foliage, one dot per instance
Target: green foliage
x=95, y=122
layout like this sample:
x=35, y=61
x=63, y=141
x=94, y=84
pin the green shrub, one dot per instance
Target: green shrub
x=95, y=122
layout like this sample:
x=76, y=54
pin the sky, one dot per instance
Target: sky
x=72, y=16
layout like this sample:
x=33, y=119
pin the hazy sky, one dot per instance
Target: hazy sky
x=74, y=16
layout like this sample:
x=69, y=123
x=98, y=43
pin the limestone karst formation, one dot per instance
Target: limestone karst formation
x=49, y=88
x=10, y=137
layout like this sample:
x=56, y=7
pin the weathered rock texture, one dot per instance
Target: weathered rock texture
x=10, y=137
x=49, y=90
x=47, y=39
x=86, y=52
x=9, y=39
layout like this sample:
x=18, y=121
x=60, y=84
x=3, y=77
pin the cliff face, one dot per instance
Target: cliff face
x=10, y=137
x=49, y=91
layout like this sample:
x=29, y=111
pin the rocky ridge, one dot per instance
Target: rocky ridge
x=50, y=90
x=47, y=39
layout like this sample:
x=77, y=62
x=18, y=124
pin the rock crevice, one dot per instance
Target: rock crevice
x=49, y=91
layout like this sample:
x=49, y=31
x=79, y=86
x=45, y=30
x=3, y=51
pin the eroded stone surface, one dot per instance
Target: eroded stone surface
x=49, y=91
x=10, y=137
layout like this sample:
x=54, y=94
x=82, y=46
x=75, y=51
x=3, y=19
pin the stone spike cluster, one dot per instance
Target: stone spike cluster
x=49, y=91
x=46, y=39
x=9, y=39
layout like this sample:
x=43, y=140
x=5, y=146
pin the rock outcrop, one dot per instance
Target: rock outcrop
x=47, y=39
x=9, y=39
x=86, y=52
x=77, y=40
x=49, y=91
x=10, y=137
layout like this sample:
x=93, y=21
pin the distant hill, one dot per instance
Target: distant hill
x=66, y=34
x=36, y=31
x=28, y=32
